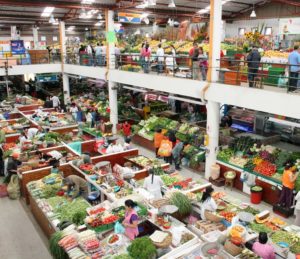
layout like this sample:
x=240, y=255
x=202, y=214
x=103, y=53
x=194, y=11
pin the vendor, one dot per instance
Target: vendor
x=262, y=249
x=207, y=202
x=22, y=138
x=131, y=220
x=42, y=156
x=75, y=186
x=12, y=166
x=153, y=184
x=126, y=171
x=32, y=132
x=55, y=166
x=127, y=144
x=297, y=210
x=288, y=184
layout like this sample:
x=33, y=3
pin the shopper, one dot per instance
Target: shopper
x=294, y=69
x=74, y=110
x=177, y=154
x=160, y=59
x=158, y=137
x=146, y=53
x=22, y=138
x=207, y=202
x=127, y=144
x=75, y=186
x=55, y=166
x=89, y=118
x=12, y=166
x=253, y=60
x=98, y=54
x=32, y=132
x=297, y=210
x=288, y=184
x=203, y=63
x=55, y=102
x=262, y=249
x=153, y=184
x=194, y=55
x=131, y=220
x=126, y=127
x=90, y=51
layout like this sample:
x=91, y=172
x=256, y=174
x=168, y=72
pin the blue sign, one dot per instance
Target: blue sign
x=17, y=47
x=47, y=78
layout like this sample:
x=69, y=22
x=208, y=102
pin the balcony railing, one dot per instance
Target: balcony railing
x=272, y=76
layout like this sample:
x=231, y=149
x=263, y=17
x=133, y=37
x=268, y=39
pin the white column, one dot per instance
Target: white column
x=215, y=35
x=35, y=37
x=212, y=130
x=66, y=88
x=62, y=38
x=113, y=105
x=111, y=46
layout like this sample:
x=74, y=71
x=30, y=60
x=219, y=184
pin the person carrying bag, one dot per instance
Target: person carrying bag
x=13, y=188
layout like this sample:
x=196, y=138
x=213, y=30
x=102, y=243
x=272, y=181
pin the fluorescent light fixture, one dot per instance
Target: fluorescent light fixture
x=225, y=1
x=86, y=28
x=86, y=15
x=87, y=1
x=143, y=5
x=100, y=17
x=172, y=4
x=98, y=23
x=151, y=2
x=146, y=20
x=51, y=20
x=47, y=11
x=71, y=28
x=56, y=22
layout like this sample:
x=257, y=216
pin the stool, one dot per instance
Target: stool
x=229, y=179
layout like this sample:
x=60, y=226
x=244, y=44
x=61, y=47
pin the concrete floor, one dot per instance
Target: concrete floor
x=20, y=235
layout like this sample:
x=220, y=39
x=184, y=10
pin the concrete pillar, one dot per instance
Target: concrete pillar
x=109, y=17
x=215, y=35
x=66, y=88
x=35, y=38
x=212, y=130
x=14, y=33
x=113, y=105
x=213, y=108
x=62, y=39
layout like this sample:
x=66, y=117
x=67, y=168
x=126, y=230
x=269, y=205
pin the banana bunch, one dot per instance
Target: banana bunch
x=295, y=238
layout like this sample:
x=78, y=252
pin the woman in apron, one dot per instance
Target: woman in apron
x=131, y=220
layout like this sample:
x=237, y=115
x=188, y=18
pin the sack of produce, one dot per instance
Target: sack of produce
x=215, y=171
x=13, y=188
x=165, y=148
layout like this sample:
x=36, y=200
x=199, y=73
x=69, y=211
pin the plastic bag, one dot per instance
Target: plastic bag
x=165, y=148
x=244, y=177
x=13, y=188
x=119, y=229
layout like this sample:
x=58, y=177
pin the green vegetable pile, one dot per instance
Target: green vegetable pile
x=251, y=210
x=122, y=256
x=243, y=144
x=56, y=251
x=197, y=159
x=50, y=190
x=142, y=248
x=73, y=211
x=225, y=154
x=260, y=228
x=249, y=166
x=182, y=203
x=168, y=180
x=287, y=237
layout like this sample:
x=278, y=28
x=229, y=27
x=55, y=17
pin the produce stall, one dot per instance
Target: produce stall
x=264, y=166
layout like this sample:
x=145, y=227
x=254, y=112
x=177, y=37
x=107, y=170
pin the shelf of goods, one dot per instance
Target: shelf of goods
x=265, y=164
x=215, y=230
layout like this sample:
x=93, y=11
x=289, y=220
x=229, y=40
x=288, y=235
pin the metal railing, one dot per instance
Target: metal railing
x=28, y=59
x=259, y=74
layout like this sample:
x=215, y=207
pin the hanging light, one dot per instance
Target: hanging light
x=172, y=4
x=146, y=20
x=253, y=13
x=99, y=17
x=51, y=20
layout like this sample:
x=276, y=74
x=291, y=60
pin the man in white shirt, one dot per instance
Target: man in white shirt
x=153, y=184
x=98, y=53
x=160, y=59
x=103, y=54
x=55, y=101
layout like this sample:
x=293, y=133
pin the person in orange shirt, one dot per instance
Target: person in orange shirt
x=158, y=137
x=288, y=184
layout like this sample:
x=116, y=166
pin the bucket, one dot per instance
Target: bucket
x=215, y=171
x=256, y=195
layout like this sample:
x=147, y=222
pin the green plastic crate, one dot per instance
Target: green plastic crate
x=273, y=76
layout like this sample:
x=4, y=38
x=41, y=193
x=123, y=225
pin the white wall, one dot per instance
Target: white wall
x=231, y=29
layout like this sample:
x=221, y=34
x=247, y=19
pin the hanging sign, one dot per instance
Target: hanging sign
x=163, y=98
x=17, y=46
x=47, y=78
x=5, y=48
x=289, y=26
x=129, y=17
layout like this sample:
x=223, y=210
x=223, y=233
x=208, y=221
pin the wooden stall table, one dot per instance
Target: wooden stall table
x=149, y=144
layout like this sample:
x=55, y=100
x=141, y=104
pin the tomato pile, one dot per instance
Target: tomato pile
x=87, y=168
x=96, y=211
x=96, y=222
x=227, y=215
x=8, y=146
x=113, y=239
x=265, y=168
x=183, y=184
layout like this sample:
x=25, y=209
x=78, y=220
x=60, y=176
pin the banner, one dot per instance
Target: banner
x=17, y=46
x=130, y=17
x=5, y=48
x=47, y=78
x=289, y=26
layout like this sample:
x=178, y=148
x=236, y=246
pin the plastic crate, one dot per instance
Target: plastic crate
x=211, y=236
x=101, y=228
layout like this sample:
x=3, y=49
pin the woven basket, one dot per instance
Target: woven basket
x=232, y=249
x=166, y=243
x=212, y=217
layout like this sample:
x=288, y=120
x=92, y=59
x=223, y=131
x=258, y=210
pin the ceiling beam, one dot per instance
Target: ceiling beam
x=288, y=2
x=56, y=4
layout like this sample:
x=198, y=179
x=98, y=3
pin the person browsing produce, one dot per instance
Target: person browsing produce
x=207, y=202
x=75, y=186
x=153, y=184
x=158, y=137
x=262, y=249
x=176, y=153
x=131, y=220
x=288, y=184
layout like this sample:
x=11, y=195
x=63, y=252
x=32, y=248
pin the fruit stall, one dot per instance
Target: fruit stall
x=256, y=164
